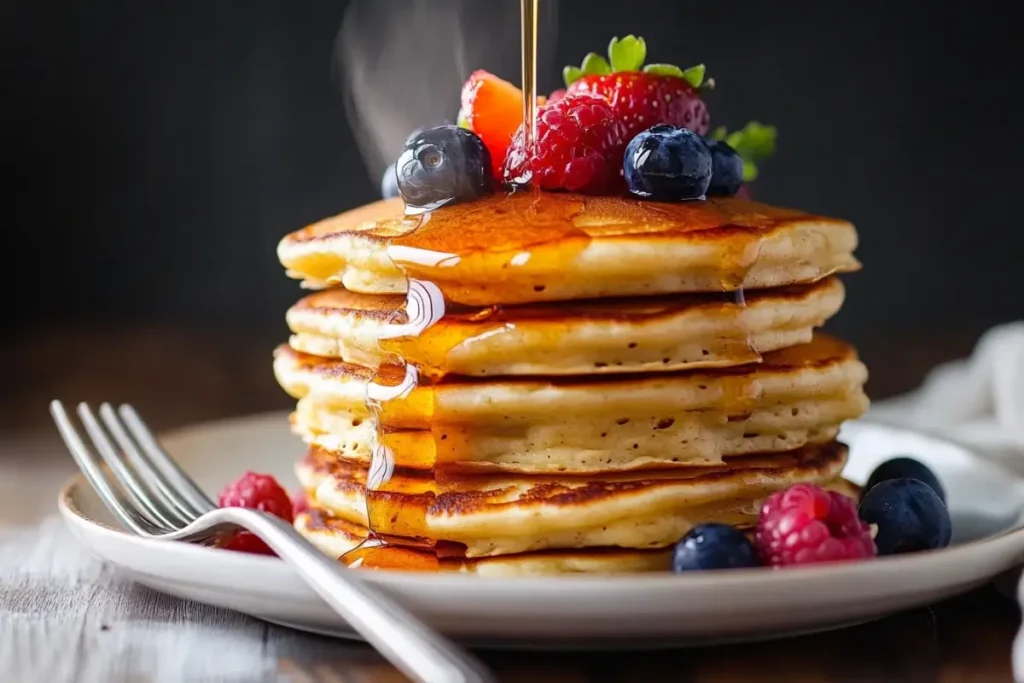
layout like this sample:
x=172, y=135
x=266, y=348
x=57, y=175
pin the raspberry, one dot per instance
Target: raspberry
x=258, y=492
x=806, y=524
x=300, y=503
x=579, y=147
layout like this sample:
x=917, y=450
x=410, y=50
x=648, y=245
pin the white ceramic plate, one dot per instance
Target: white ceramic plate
x=987, y=505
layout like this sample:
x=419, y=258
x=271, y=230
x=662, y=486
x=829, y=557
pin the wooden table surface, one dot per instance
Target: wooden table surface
x=176, y=377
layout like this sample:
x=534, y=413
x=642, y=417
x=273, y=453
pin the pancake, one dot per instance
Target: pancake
x=695, y=439
x=795, y=396
x=528, y=246
x=503, y=515
x=336, y=537
x=654, y=334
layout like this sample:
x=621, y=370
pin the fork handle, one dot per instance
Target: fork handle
x=416, y=650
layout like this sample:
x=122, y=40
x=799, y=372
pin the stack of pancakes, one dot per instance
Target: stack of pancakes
x=546, y=383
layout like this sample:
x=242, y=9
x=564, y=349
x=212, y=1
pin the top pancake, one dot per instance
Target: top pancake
x=537, y=246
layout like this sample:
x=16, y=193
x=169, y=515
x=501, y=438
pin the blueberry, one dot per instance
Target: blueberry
x=904, y=468
x=667, y=163
x=909, y=514
x=389, y=183
x=713, y=546
x=726, y=169
x=441, y=165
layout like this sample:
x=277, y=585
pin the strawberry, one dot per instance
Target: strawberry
x=660, y=93
x=493, y=109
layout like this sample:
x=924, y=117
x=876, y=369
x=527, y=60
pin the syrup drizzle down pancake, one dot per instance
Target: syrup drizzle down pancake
x=524, y=247
x=651, y=334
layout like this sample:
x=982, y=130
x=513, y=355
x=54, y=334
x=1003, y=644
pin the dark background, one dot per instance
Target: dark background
x=157, y=151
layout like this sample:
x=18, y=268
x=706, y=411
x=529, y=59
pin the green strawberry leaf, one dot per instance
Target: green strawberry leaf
x=627, y=54
x=749, y=171
x=664, y=70
x=595, y=65
x=694, y=75
x=461, y=121
x=571, y=74
x=754, y=142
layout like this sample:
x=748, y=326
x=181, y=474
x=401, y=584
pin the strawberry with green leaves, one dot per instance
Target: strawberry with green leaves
x=642, y=96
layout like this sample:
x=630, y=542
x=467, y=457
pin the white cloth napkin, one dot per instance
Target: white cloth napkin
x=978, y=401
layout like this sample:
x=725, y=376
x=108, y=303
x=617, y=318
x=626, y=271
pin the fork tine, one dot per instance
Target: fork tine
x=135, y=490
x=86, y=461
x=180, y=508
x=175, y=476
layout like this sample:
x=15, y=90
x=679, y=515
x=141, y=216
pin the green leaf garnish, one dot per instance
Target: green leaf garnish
x=694, y=75
x=627, y=54
x=461, y=121
x=571, y=74
x=595, y=65
x=664, y=70
x=754, y=142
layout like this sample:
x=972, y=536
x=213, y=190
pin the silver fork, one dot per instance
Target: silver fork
x=151, y=496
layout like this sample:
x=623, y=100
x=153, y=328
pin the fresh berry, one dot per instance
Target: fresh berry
x=661, y=93
x=258, y=492
x=667, y=163
x=713, y=546
x=744, y=192
x=389, y=183
x=493, y=109
x=726, y=169
x=556, y=95
x=909, y=515
x=578, y=148
x=806, y=524
x=754, y=143
x=300, y=503
x=904, y=468
x=442, y=165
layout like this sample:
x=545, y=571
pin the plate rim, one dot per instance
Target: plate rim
x=645, y=583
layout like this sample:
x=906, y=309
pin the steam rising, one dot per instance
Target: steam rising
x=401, y=63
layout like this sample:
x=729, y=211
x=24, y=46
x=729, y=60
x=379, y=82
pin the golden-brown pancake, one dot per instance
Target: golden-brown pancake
x=347, y=541
x=535, y=246
x=502, y=515
x=796, y=396
x=651, y=334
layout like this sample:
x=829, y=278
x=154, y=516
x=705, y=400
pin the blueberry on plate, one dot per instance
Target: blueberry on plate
x=442, y=165
x=726, y=169
x=667, y=163
x=904, y=468
x=713, y=546
x=909, y=515
x=389, y=183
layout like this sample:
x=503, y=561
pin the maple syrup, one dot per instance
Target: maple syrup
x=503, y=236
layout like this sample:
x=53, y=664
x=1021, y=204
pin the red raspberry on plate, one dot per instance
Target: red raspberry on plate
x=258, y=492
x=806, y=524
x=300, y=503
x=579, y=147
